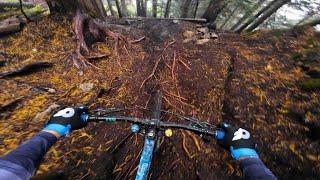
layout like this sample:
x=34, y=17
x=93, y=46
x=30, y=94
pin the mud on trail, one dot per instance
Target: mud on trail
x=250, y=80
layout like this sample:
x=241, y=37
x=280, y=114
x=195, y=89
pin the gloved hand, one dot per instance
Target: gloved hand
x=238, y=141
x=67, y=119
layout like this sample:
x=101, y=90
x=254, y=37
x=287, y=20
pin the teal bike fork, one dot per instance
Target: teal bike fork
x=146, y=159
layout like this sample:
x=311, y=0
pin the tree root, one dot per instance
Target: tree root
x=82, y=54
x=184, y=146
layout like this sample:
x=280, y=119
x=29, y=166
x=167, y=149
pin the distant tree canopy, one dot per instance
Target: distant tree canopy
x=232, y=15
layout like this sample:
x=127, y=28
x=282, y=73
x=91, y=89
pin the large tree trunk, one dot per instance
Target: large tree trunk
x=118, y=8
x=93, y=8
x=124, y=8
x=145, y=8
x=196, y=6
x=154, y=8
x=267, y=14
x=214, y=9
x=141, y=8
x=110, y=7
x=241, y=28
x=248, y=13
x=138, y=5
x=185, y=8
x=167, y=11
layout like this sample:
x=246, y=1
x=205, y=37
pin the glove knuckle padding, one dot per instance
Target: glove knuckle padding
x=68, y=116
x=237, y=138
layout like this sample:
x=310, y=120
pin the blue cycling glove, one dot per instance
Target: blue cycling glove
x=238, y=141
x=67, y=119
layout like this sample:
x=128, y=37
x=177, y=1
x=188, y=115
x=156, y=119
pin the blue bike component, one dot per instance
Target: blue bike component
x=84, y=117
x=220, y=134
x=145, y=160
x=135, y=128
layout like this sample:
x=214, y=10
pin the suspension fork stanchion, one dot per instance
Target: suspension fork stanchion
x=150, y=140
x=146, y=158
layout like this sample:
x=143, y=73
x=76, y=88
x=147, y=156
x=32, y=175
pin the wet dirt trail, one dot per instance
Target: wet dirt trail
x=248, y=80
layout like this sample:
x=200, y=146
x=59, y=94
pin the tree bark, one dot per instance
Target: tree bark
x=154, y=8
x=118, y=8
x=124, y=8
x=214, y=9
x=139, y=11
x=229, y=17
x=247, y=15
x=167, y=11
x=185, y=8
x=110, y=8
x=141, y=8
x=145, y=8
x=241, y=28
x=196, y=8
x=267, y=14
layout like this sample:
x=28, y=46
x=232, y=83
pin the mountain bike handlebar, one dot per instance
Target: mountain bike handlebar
x=157, y=124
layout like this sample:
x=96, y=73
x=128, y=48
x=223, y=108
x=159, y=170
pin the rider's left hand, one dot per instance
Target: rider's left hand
x=66, y=120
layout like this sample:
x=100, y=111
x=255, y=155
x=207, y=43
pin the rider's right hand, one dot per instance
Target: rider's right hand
x=238, y=141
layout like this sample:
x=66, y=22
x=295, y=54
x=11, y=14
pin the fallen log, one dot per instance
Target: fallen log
x=27, y=69
x=12, y=24
x=4, y=5
x=196, y=20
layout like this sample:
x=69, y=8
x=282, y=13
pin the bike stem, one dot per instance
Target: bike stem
x=150, y=141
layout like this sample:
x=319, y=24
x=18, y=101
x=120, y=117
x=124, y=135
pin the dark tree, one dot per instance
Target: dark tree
x=185, y=8
x=242, y=27
x=124, y=8
x=196, y=6
x=167, y=11
x=214, y=9
x=110, y=7
x=267, y=14
x=118, y=8
x=229, y=16
x=141, y=8
x=247, y=14
x=154, y=8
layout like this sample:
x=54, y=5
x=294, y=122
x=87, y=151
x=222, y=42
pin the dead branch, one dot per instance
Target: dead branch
x=184, y=64
x=185, y=146
x=195, y=140
x=130, y=172
x=40, y=116
x=156, y=65
x=10, y=105
x=138, y=40
x=173, y=66
x=169, y=103
x=27, y=69
x=173, y=95
x=152, y=73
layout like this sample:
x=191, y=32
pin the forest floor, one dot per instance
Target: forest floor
x=251, y=80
